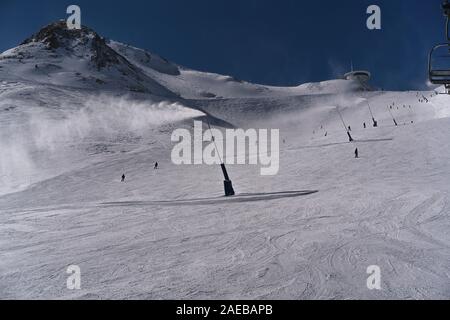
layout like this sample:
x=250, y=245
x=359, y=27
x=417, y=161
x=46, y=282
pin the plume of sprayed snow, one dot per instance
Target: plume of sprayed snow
x=321, y=112
x=337, y=69
x=106, y=117
x=16, y=166
x=430, y=86
x=40, y=137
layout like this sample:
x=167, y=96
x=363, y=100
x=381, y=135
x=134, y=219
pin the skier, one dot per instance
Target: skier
x=349, y=128
x=356, y=153
x=364, y=125
x=156, y=166
x=123, y=177
x=326, y=133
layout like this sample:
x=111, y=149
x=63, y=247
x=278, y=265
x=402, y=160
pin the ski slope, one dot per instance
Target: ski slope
x=309, y=232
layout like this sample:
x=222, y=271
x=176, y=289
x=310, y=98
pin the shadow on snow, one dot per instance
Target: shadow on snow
x=244, y=197
x=340, y=143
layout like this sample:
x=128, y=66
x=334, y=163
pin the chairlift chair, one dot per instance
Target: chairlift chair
x=439, y=65
x=439, y=58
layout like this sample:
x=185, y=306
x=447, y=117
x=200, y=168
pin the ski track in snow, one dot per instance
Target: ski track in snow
x=309, y=232
x=314, y=246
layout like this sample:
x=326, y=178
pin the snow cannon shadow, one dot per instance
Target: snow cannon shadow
x=318, y=146
x=215, y=121
x=239, y=198
x=340, y=143
x=208, y=118
x=374, y=140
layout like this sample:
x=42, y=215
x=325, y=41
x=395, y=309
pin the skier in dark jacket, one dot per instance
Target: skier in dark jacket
x=123, y=178
x=364, y=125
x=356, y=153
x=156, y=166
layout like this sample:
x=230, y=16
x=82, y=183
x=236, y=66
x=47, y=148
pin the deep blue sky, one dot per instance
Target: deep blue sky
x=284, y=42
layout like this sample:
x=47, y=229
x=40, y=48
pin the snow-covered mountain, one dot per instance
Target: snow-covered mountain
x=191, y=84
x=75, y=58
x=78, y=111
x=83, y=59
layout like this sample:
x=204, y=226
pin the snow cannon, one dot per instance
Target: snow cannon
x=347, y=128
x=375, y=123
x=227, y=184
x=350, y=139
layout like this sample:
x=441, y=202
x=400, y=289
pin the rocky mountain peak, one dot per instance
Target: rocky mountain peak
x=57, y=36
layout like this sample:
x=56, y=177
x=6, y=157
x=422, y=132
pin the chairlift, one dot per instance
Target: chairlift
x=438, y=63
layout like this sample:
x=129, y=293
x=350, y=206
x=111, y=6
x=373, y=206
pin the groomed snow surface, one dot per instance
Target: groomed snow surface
x=309, y=232
x=169, y=233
